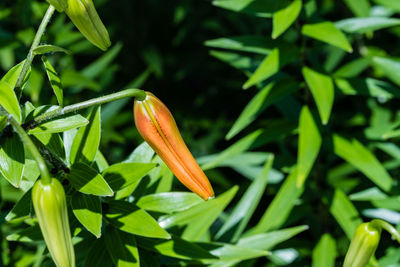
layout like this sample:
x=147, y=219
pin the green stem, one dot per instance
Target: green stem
x=45, y=175
x=140, y=94
x=31, y=55
x=381, y=224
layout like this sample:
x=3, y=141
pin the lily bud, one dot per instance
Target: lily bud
x=59, y=5
x=362, y=246
x=157, y=126
x=51, y=210
x=84, y=16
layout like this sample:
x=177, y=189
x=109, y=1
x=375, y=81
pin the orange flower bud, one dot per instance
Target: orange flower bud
x=157, y=126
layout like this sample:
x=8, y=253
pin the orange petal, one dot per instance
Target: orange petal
x=157, y=126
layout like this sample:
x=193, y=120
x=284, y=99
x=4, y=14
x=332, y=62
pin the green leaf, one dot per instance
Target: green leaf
x=363, y=25
x=121, y=175
x=363, y=160
x=389, y=68
x=369, y=87
x=169, y=202
x=327, y=32
x=22, y=209
x=87, y=180
x=280, y=207
x=87, y=139
x=321, y=87
x=52, y=142
x=228, y=252
x=352, y=68
x=11, y=76
x=12, y=158
x=324, y=253
x=175, y=248
x=9, y=101
x=29, y=234
x=237, y=61
x=360, y=8
x=249, y=112
x=267, y=241
x=3, y=122
x=345, y=213
x=98, y=255
x=44, y=49
x=87, y=209
x=129, y=218
x=262, y=8
x=234, y=150
x=266, y=69
x=392, y=4
x=241, y=214
x=100, y=65
x=309, y=145
x=285, y=16
x=200, y=217
x=55, y=81
x=62, y=124
x=245, y=43
x=122, y=248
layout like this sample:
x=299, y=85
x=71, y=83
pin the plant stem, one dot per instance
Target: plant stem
x=45, y=175
x=140, y=94
x=377, y=223
x=31, y=55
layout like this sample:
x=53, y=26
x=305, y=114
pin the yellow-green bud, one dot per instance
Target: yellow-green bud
x=362, y=246
x=51, y=210
x=59, y=5
x=84, y=16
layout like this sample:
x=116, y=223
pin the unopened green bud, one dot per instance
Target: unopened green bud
x=84, y=16
x=59, y=5
x=51, y=210
x=363, y=245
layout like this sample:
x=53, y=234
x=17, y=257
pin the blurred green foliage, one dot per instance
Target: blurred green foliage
x=289, y=106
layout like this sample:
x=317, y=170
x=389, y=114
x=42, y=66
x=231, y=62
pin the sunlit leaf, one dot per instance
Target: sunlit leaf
x=327, y=32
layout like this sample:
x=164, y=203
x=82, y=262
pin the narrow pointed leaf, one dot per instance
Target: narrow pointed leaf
x=322, y=89
x=267, y=241
x=234, y=150
x=194, y=217
x=44, y=49
x=362, y=159
x=240, y=216
x=9, y=101
x=12, y=158
x=309, y=145
x=122, y=248
x=266, y=69
x=175, y=248
x=249, y=112
x=129, y=218
x=280, y=207
x=327, y=32
x=87, y=180
x=62, y=124
x=87, y=209
x=324, y=253
x=345, y=213
x=363, y=25
x=55, y=81
x=285, y=16
x=169, y=202
x=87, y=139
x=121, y=175
x=22, y=209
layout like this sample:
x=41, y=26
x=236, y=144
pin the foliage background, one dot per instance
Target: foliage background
x=165, y=47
